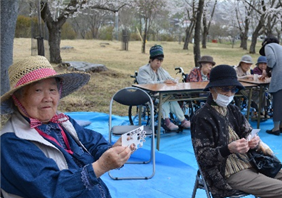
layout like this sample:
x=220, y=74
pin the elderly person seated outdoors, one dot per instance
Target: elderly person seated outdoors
x=220, y=134
x=201, y=73
x=153, y=73
x=261, y=66
x=45, y=153
x=243, y=71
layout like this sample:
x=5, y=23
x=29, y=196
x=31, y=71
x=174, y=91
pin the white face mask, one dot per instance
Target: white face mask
x=222, y=100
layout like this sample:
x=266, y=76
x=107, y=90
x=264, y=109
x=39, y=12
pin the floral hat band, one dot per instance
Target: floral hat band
x=36, y=68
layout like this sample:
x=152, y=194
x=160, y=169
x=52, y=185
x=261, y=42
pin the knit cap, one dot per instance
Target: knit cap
x=156, y=51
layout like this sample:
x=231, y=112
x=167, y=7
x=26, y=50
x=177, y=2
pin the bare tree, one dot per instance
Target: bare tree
x=197, y=35
x=190, y=10
x=147, y=10
x=55, y=14
x=9, y=13
x=206, y=25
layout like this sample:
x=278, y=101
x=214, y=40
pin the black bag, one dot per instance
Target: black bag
x=265, y=164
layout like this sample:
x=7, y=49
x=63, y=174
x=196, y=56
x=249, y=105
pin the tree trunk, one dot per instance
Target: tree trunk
x=205, y=32
x=9, y=14
x=188, y=35
x=145, y=37
x=54, y=44
x=256, y=34
x=197, y=36
x=54, y=28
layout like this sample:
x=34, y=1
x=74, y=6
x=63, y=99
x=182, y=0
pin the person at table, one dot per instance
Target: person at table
x=153, y=73
x=273, y=50
x=45, y=153
x=201, y=73
x=219, y=134
x=244, y=66
x=261, y=66
x=243, y=71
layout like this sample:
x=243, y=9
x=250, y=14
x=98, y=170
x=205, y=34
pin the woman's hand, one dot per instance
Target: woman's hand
x=168, y=81
x=254, y=142
x=113, y=158
x=239, y=146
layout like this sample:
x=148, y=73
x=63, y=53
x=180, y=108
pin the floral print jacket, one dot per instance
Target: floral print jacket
x=210, y=137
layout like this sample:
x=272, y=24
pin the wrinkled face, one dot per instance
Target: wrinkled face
x=41, y=99
x=246, y=66
x=206, y=68
x=156, y=64
x=262, y=66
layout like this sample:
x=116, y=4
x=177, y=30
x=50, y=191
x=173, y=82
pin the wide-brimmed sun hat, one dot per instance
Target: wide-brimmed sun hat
x=223, y=75
x=206, y=59
x=36, y=68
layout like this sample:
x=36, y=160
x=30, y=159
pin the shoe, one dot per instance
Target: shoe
x=186, y=124
x=172, y=127
x=277, y=132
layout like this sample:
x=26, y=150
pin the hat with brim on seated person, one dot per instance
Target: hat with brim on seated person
x=246, y=59
x=34, y=69
x=223, y=76
x=206, y=59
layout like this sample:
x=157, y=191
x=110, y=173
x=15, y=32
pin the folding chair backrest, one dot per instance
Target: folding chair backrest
x=131, y=97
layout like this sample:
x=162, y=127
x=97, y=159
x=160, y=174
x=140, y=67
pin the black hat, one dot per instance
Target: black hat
x=267, y=40
x=223, y=75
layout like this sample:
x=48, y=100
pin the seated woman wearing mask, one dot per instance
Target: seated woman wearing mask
x=219, y=135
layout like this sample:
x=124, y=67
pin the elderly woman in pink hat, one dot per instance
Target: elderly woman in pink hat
x=45, y=153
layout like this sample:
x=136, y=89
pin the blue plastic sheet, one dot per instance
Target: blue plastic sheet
x=176, y=165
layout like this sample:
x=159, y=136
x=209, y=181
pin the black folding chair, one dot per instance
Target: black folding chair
x=132, y=96
x=200, y=183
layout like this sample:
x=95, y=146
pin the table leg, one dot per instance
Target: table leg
x=159, y=121
x=249, y=103
x=261, y=90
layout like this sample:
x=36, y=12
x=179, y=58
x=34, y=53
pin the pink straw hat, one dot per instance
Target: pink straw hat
x=36, y=68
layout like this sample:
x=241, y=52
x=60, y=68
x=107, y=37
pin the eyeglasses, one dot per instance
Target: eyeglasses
x=227, y=89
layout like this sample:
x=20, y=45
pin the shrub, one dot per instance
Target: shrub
x=106, y=33
x=67, y=32
x=23, y=27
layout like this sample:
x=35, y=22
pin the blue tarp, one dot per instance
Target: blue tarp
x=176, y=165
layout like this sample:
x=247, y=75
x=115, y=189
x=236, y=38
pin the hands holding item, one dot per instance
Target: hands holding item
x=113, y=158
x=242, y=145
x=263, y=75
x=239, y=146
x=254, y=142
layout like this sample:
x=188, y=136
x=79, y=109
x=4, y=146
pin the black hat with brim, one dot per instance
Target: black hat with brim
x=222, y=76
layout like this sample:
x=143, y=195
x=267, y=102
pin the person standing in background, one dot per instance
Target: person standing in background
x=273, y=51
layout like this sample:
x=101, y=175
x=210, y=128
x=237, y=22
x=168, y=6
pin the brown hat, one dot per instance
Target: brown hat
x=206, y=59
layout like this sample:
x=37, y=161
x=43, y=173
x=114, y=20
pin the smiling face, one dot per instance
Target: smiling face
x=262, y=66
x=246, y=66
x=41, y=99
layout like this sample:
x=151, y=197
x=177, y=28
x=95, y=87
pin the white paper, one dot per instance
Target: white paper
x=253, y=133
x=136, y=137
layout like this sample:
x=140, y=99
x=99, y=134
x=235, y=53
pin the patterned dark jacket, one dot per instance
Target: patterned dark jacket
x=209, y=131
